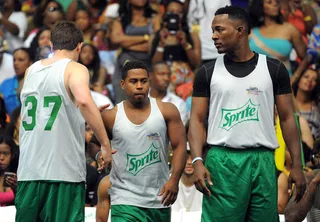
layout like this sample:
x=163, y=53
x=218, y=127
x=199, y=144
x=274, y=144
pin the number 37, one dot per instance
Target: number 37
x=32, y=111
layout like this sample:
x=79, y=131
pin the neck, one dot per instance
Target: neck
x=269, y=21
x=20, y=77
x=187, y=180
x=157, y=94
x=303, y=97
x=144, y=104
x=61, y=54
x=137, y=11
x=242, y=54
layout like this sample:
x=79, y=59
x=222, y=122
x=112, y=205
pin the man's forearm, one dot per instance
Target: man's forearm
x=196, y=138
x=297, y=211
x=93, y=117
x=178, y=161
x=292, y=140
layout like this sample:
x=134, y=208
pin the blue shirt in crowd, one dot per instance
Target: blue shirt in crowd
x=9, y=91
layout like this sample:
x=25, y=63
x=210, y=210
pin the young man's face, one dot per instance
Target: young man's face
x=225, y=33
x=136, y=85
x=160, y=77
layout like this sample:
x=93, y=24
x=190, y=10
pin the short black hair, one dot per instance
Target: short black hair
x=65, y=36
x=159, y=63
x=133, y=64
x=236, y=13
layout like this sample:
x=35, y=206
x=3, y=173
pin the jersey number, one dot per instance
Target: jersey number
x=32, y=111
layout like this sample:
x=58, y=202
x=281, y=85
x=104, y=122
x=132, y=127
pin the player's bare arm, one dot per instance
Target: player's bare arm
x=78, y=83
x=196, y=139
x=103, y=206
x=291, y=137
x=177, y=137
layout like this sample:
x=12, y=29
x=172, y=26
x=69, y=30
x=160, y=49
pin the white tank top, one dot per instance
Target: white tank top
x=241, y=113
x=52, y=128
x=140, y=167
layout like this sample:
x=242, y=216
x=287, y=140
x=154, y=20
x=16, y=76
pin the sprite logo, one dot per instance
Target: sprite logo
x=232, y=117
x=136, y=163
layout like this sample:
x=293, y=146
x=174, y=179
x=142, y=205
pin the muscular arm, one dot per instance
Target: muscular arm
x=78, y=84
x=177, y=137
x=103, y=206
x=197, y=131
x=118, y=37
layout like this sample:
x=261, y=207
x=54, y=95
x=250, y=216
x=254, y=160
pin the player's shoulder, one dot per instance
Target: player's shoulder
x=167, y=109
x=75, y=65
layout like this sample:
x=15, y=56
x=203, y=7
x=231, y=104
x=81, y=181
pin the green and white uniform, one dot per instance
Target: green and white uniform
x=51, y=138
x=140, y=166
x=242, y=137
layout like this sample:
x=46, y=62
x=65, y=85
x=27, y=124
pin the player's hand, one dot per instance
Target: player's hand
x=106, y=154
x=202, y=174
x=169, y=192
x=103, y=107
x=296, y=176
x=12, y=182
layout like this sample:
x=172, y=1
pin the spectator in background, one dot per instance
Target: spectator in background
x=95, y=7
x=305, y=92
x=8, y=187
x=272, y=36
x=84, y=23
x=316, y=7
x=10, y=88
x=3, y=116
x=159, y=83
x=47, y=14
x=42, y=39
x=6, y=61
x=132, y=33
x=177, y=46
x=89, y=57
x=13, y=24
x=189, y=198
x=301, y=15
x=200, y=19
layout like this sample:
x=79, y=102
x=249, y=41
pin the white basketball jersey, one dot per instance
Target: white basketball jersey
x=52, y=128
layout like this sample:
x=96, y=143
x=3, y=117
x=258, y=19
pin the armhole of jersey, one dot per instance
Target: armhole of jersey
x=273, y=76
x=209, y=73
x=64, y=84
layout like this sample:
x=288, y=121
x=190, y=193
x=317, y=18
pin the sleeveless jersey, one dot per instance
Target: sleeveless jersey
x=241, y=112
x=140, y=167
x=52, y=128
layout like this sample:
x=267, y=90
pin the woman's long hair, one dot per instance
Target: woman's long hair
x=256, y=13
x=125, y=12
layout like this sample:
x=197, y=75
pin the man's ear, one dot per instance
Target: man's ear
x=240, y=30
x=122, y=84
x=79, y=47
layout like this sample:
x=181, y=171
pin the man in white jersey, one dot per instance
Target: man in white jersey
x=140, y=128
x=240, y=89
x=56, y=102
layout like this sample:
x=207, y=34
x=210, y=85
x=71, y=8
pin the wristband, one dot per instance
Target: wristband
x=160, y=49
x=97, y=155
x=196, y=159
